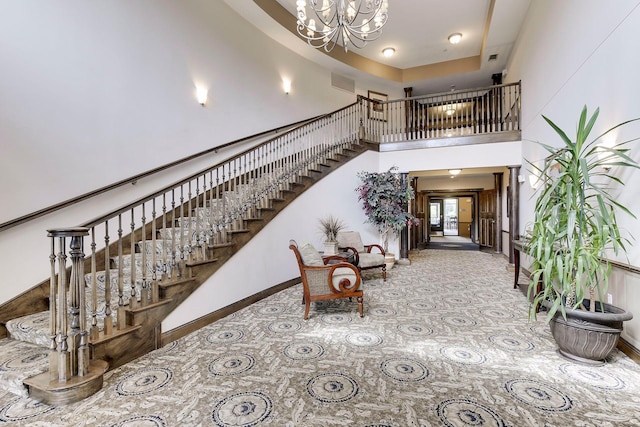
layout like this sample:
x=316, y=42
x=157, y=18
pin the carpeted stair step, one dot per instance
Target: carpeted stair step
x=19, y=361
x=35, y=329
x=138, y=259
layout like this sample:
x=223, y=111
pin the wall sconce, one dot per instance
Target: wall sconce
x=286, y=85
x=201, y=94
x=534, y=181
x=605, y=155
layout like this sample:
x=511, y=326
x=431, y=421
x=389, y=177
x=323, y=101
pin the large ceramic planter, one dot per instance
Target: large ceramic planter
x=389, y=260
x=588, y=337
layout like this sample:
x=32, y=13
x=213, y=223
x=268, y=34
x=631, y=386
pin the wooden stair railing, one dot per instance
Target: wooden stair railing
x=135, y=278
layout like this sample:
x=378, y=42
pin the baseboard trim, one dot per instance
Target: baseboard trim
x=628, y=349
x=207, y=319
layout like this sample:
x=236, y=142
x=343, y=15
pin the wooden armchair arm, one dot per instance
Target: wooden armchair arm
x=338, y=258
x=323, y=276
x=344, y=285
x=369, y=247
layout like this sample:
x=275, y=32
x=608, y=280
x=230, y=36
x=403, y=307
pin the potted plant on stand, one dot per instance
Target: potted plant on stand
x=330, y=226
x=384, y=199
x=574, y=227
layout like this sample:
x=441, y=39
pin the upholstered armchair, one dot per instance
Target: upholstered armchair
x=366, y=256
x=325, y=279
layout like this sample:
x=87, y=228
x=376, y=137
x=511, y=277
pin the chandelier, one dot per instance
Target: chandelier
x=354, y=21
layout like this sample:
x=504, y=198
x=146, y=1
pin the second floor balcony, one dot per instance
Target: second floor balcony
x=489, y=114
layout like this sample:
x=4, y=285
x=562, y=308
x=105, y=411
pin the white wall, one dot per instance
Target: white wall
x=569, y=54
x=458, y=157
x=95, y=92
x=90, y=90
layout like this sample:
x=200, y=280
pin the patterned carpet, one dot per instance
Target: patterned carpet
x=444, y=342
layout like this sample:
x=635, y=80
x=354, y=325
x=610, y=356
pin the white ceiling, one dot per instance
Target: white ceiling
x=418, y=30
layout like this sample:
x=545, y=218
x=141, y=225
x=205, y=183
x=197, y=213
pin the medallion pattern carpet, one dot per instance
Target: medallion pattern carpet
x=445, y=341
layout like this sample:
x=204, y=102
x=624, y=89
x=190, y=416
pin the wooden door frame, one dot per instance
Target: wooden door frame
x=443, y=194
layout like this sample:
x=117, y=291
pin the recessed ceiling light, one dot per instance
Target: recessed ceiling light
x=455, y=171
x=455, y=38
x=388, y=52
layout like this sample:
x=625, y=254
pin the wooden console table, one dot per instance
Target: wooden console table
x=518, y=246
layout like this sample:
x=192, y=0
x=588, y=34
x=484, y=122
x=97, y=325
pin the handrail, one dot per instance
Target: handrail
x=50, y=209
x=137, y=202
x=451, y=92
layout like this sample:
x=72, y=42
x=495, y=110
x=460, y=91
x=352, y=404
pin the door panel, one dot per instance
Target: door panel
x=435, y=215
x=487, y=207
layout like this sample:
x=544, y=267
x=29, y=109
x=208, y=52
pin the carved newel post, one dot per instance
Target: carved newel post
x=69, y=337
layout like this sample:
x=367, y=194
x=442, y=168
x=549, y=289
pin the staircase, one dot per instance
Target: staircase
x=150, y=271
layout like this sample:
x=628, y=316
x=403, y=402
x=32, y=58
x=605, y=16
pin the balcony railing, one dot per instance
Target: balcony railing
x=482, y=111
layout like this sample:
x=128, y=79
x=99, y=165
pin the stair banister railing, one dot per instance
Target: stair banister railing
x=169, y=230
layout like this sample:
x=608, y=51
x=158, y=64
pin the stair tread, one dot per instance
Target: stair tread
x=33, y=329
x=20, y=360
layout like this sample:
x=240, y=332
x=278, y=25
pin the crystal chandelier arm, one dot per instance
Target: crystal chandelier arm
x=338, y=20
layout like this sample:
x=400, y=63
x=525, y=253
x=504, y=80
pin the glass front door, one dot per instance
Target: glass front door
x=435, y=216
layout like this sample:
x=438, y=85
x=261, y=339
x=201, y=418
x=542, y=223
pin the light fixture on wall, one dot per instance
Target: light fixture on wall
x=353, y=22
x=201, y=95
x=534, y=181
x=455, y=38
x=286, y=85
x=606, y=155
x=388, y=52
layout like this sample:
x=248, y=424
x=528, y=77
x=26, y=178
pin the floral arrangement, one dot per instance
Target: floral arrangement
x=384, y=198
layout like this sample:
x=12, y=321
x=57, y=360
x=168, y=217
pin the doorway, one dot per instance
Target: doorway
x=451, y=216
x=450, y=207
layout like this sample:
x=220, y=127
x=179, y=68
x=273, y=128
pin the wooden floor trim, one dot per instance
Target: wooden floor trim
x=632, y=352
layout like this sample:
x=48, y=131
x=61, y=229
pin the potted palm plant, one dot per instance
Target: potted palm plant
x=330, y=226
x=384, y=199
x=575, y=226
